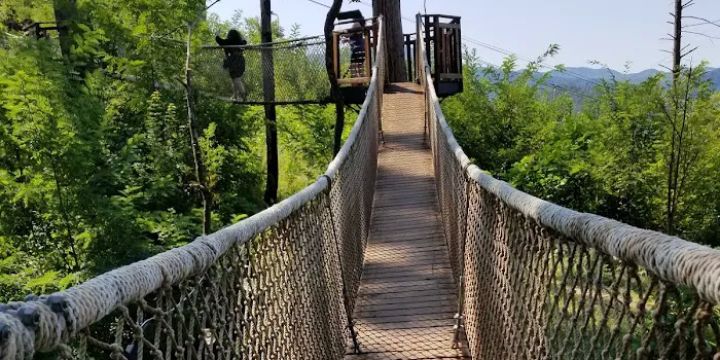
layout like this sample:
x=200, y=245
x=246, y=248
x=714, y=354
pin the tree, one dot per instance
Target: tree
x=201, y=183
x=332, y=14
x=97, y=171
x=680, y=28
x=684, y=138
x=681, y=156
x=394, y=40
x=268, y=69
x=65, y=17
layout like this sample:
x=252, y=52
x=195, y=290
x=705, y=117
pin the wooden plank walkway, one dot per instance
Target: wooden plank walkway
x=407, y=297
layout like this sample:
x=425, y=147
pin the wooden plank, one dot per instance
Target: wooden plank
x=450, y=26
x=437, y=267
x=404, y=219
x=390, y=298
x=408, y=325
x=407, y=304
x=403, y=238
x=404, y=189
x=354, y=81
x=406, y=318
x=428, y=267
x=407, y=298
x=407, y=247
x=413, y=261
x=413, y=354
x=380, y=289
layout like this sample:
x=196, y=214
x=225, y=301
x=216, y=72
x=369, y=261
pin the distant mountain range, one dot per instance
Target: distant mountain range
x=573, y=77
x=578, y=82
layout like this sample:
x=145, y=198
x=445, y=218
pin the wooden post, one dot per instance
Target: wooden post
x=408, y=56
x=420, y=37
x=378, y=28
x=367, y=64
x=335, y=58
x=268, y=69
x=428, y=41
x=458, y=44
x=437, y=62
x=394, y=40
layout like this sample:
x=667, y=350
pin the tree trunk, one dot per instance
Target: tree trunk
x=394, y=40
x=675, y=120
x=677, y=39
x=271, y=146
x=199, y=164
x=65, y=17
x=332, y=77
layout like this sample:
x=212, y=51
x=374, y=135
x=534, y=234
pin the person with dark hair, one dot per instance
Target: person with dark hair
x=234, y=61
x=357, y=50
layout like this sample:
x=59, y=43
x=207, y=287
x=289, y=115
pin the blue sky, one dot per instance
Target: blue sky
x=613, y=32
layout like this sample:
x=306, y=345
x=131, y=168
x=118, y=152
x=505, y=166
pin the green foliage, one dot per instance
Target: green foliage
x=500, y=111
x=95, y=160
x=609, y=157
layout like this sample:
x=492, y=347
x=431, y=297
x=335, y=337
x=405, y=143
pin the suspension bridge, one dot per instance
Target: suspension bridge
x=403, y=249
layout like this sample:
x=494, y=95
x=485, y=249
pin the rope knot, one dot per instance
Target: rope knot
x=329, y=181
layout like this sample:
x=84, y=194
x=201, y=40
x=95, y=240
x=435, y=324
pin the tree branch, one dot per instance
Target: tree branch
x=704, y=21
x=701, y=34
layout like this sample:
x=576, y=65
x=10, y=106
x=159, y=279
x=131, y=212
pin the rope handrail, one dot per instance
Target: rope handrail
x=215, y=296
x=298, y=66
x=538, y=280
x=318, y=39
x=656, y=251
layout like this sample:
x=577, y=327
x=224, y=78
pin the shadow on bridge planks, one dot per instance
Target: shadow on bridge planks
x=407, y=297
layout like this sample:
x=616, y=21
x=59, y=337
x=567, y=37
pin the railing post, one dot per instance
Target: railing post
x=380, y=64
x=419, y=61
x=420, y=70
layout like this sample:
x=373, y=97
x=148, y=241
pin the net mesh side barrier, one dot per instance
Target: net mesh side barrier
x=298, y=66
x=278, y=285
x=539, y=281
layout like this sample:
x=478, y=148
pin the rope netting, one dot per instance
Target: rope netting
x=298, y=67
x=540, y=281
x=279, y=285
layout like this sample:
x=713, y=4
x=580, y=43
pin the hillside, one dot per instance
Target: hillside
x=579, y=81
x=573, y=77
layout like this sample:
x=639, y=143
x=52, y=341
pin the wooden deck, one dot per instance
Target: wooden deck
x=407, y=297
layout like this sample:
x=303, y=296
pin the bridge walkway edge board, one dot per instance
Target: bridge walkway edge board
x=407, y=296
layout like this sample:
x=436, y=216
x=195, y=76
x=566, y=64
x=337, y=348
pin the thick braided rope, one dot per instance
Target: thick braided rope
x=52, y=320
x=671, y=258
x=16, y=341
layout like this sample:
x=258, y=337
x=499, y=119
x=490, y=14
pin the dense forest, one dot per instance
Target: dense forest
x=646, y=153
x=96, y=160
